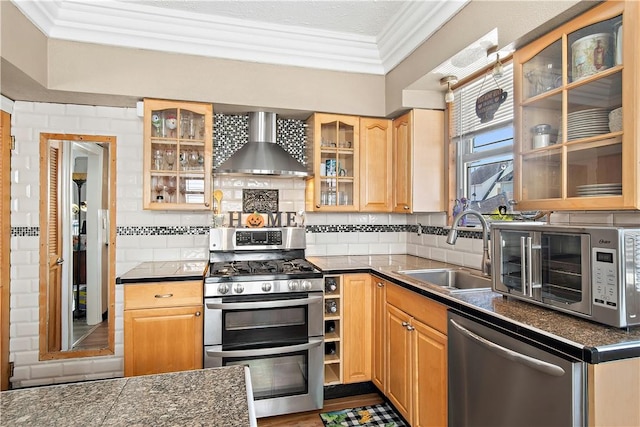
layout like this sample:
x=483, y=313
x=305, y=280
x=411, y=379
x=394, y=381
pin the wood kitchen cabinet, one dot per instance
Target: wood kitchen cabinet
x=376, y=165
x=418, y=162
x=379, y=336
x=333, y=147
x=357, y=318
x=607, y=405
x=416, y=357
x=576, y=113
x=177, y=155
x=163, y=327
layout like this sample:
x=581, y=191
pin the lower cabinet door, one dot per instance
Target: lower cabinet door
x=430, y=375
x=162, y=340
x=378, y=362
x=356, y=298
x=399, y=355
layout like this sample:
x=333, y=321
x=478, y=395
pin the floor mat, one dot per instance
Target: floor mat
x=376, y=415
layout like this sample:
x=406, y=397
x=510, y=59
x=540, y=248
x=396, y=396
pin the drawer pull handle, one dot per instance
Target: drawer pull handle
x=164, y=295
x=380, y=285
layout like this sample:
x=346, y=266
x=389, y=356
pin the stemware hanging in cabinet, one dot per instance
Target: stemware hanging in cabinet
x=178, y=139
x=575, y=109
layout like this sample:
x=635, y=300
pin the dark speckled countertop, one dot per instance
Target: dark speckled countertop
x=208, y=397
x=580, y=338
x=159, y=271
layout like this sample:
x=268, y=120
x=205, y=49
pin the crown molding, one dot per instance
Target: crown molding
x=134, y=26
x=414, y=24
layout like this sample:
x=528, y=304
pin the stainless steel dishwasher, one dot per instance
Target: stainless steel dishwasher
x=498, y=379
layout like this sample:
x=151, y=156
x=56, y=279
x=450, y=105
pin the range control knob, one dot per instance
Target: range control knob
x=266, y=287
x=306, y=285
x=294, y=285
x=238, y=288
x=223, y=288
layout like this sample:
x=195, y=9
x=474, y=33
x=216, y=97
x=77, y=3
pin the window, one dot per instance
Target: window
x=484, y=151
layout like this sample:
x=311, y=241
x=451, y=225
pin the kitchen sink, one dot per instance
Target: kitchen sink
x=450, y=279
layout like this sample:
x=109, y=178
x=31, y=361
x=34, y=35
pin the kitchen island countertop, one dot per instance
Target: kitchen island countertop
x=207, y=397
x=580, y=338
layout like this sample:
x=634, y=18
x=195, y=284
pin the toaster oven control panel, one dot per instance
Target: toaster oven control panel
x=604, y=277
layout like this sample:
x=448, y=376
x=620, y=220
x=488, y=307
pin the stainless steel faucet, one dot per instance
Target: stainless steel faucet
x=453, y=235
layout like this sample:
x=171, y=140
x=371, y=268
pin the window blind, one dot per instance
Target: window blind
x=465, y=120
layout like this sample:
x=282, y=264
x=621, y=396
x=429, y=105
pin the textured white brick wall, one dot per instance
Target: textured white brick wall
x=28, y=121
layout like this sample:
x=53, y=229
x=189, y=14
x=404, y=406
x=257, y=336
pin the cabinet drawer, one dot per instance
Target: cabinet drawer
x=164, y=294
x=419, y=307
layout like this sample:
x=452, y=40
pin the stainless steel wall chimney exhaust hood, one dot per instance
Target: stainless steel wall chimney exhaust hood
x=261, y=155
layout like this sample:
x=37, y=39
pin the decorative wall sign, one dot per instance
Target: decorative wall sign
x=262, y=201
x=488, y=104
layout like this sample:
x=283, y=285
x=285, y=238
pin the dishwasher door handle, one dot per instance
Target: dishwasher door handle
x=539, y=365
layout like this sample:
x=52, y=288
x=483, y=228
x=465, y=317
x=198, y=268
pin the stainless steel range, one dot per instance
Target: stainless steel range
x=263, y=308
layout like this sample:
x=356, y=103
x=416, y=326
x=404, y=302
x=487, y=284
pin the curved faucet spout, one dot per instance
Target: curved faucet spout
x=453, y=235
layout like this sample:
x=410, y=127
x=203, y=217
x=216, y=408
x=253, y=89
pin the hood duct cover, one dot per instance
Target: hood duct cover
x=261, y=155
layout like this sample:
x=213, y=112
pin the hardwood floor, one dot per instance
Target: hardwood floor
x=312, y=418
x=88, y=337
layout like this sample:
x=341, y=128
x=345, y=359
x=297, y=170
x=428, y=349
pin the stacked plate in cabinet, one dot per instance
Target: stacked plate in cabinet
x=587, y=123
x=601, y=190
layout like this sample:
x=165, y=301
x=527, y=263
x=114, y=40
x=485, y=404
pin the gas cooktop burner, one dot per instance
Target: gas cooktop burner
x=248, y=268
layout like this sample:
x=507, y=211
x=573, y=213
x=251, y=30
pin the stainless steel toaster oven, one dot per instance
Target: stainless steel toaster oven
x=589, y=271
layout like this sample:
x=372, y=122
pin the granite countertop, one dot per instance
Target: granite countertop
x=159, y=271
x=207, y=397
x=580, y=338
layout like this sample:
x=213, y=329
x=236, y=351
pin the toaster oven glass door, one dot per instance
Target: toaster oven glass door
x=511, y=255
x=550, y=268
x=566, y=278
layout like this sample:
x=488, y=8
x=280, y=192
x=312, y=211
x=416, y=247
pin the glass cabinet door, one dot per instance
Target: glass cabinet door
x=335, y=148
x=336, y=164
x=569, y=146
x=179, y=155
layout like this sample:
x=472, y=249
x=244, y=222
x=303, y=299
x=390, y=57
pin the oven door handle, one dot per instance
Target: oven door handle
x=263, y=304
x=313, y=342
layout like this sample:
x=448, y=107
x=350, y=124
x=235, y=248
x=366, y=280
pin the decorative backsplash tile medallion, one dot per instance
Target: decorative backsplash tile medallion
x=261, y=201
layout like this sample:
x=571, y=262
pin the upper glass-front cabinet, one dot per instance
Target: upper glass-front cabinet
x=334, y=142
x=574, y=147
x=177, y=155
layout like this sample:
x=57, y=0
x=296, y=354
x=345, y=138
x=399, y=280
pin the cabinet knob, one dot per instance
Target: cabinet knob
x=198, y=314
x=380, y=284
x=164, y=295
x=406, y=207
x=317, y=206
x=410, y=328
x=405, y=324
x=59, y=261
x=206, y=204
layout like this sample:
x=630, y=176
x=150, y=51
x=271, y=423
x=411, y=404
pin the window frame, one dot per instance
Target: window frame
x=457, y=173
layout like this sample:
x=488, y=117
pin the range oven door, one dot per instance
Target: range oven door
x=551, y=268
x=257, y=320
x=284, y=379
x=280, y=338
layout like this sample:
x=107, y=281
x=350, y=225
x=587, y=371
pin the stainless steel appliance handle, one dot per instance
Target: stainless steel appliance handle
x=263, y=304
x=530, y=269
x=531, y=362
x=523, y=264
x=313, y=342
